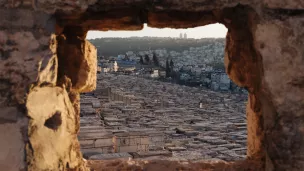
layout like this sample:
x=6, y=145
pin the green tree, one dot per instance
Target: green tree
x=168, y=70
x=155, y=60
x=147, y=59
x=141, y=60
x=171, y=64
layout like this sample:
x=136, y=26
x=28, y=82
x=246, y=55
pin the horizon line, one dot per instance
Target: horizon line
x=155, y=37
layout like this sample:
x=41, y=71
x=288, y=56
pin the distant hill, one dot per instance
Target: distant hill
x=116, y=46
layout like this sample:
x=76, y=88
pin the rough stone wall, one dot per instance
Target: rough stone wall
x=27, y=55
x=77, y=61
x=244, y=66
x=280, y=42
x=39, y=119
x=45, y=62
x=156, y=165
x=268, y=61
x=55, y=117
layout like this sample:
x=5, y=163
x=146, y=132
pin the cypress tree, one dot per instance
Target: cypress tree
x=141, y=60
x=155, y=60
x=168, y=70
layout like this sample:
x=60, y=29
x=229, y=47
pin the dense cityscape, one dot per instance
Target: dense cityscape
x=184, y=61
x=166, y=105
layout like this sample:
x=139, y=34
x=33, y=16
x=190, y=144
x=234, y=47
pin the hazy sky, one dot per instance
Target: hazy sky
x=212, y=30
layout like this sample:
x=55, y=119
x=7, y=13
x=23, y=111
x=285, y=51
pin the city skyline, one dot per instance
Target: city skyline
x=209, y=31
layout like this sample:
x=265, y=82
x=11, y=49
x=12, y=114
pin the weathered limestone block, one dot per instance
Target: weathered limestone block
x=27, y=56
x=78, y=61
x=181, y=19
x=129, y=20
x=281, y=43
x=22, y=18
x=24, y=61
x=53, y=143
x=12, y=144
x=16, y=3
x=88, y=69
x=28, y=20
x=255, y=132
x=284, y=4
x=75, y=100
x=166, y=165
x=68, y=6
x=169, y=5
x=244, y=66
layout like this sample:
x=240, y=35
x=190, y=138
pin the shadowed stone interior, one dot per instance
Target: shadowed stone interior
x=45, y=62
x=54, y=122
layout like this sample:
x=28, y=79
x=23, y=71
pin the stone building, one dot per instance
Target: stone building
x=220, y=81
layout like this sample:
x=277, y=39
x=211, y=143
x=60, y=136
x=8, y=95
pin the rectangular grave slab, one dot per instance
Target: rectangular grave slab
x=110, y=156
x=176, y=148
x=151, y=153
